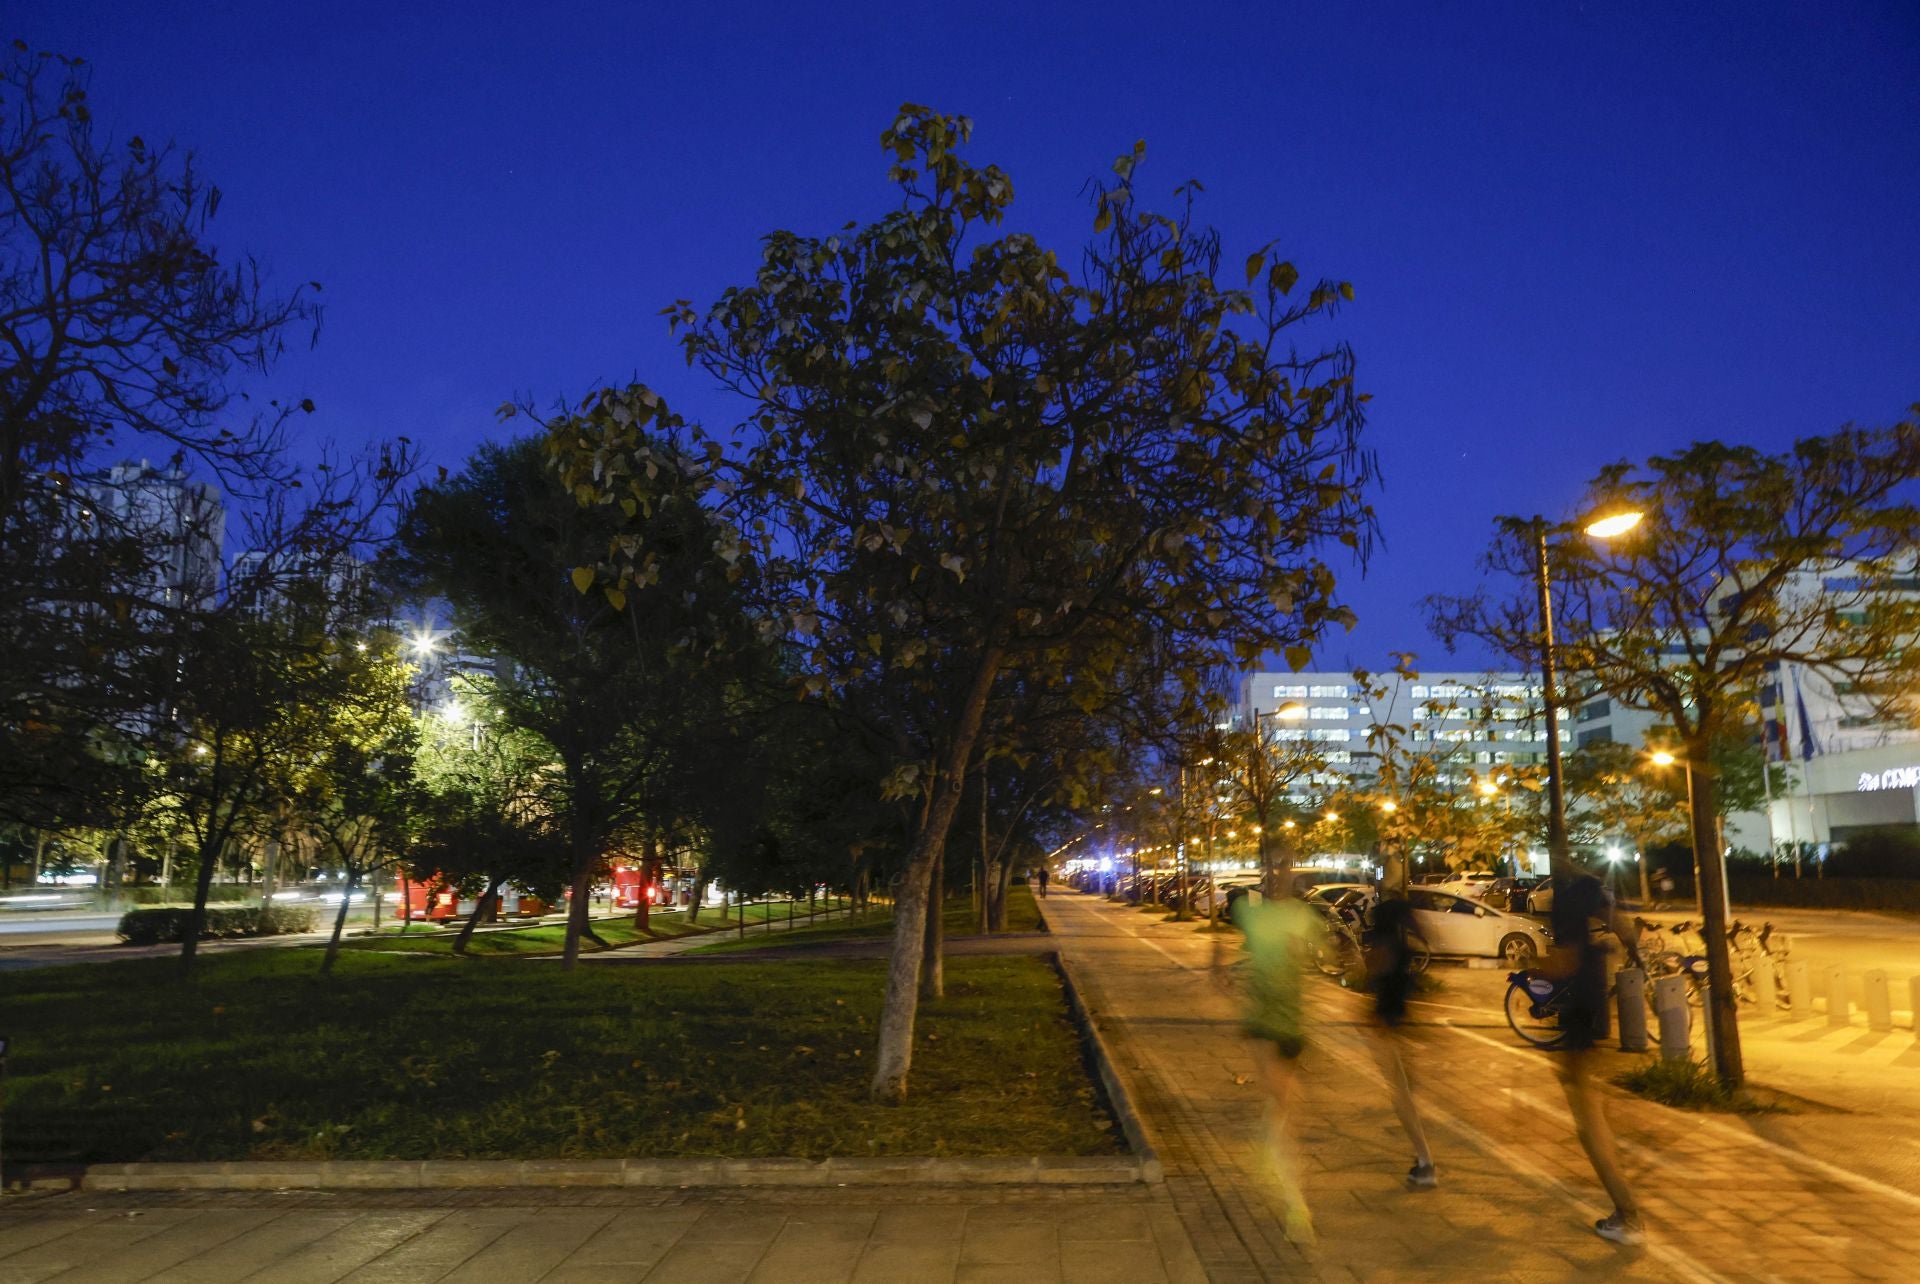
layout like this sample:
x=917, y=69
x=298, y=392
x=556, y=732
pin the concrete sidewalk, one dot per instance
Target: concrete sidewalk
x=1517, y=1197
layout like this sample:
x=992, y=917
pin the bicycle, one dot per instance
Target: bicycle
x=1534, y=1003
x=1342, y=955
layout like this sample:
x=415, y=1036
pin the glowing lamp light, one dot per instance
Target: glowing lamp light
x=1333, y=815
x=1286, y=824
x=1662, y=758
x=1488, y=789
x=1389, y=806
x=1614, y=524
x=1291, y=712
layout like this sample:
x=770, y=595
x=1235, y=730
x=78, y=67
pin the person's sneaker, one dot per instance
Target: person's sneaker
x=1621, y=1230
x=1422, y=1177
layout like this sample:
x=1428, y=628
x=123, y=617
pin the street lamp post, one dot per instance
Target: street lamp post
x=1559, y=854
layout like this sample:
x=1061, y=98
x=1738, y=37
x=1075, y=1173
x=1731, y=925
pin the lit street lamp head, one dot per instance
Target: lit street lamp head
x=1661, y=758
x=1614, y=524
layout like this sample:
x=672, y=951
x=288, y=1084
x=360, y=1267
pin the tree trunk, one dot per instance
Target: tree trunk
x=479, y=912
x=202, y=884
x=649, y=871
x=1002, y=888
x=339, y=924
x=1646, y=887
x=894, y=1056
x=933, y=979
x=578, y=913
x=986, y=864
x=699, y=895
x=1710, y=871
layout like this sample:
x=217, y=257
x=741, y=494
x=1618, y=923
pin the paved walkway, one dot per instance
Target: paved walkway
x=971, y=1236
x=1516, y=1196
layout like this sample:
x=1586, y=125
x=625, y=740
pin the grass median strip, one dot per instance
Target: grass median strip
x=257, y=1057
x=962, y=919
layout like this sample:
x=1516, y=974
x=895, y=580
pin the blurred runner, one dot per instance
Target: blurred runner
x=1583, y=1021
x=1390, y=976
x=1276, y=936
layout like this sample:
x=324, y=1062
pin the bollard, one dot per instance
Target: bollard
x=1879, y=1002
x=1766, y=1000
x=1799, y=990
x=1670, y=1005
x=1838, y=1011
x=1630, y=998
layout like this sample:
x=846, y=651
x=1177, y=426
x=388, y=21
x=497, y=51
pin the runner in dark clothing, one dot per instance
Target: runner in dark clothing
x=1577, y=903
x=1390, y=974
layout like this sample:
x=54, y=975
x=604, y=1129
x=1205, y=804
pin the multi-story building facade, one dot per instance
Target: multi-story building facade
x=1474, y=721
x=179, y=523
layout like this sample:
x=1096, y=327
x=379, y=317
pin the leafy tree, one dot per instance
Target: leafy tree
x=1744, y=563
x=123, y=329
x=615, y=693
x=245, y=701
x=486, y=816
x=1265, y=766
x=1023, y=468
x=1613, y=789
x=354, y=789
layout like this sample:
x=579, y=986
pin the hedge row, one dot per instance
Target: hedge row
x=1788, y=892
x=161, y=926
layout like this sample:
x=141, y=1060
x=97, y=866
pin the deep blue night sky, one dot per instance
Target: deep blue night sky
x=1578, y=231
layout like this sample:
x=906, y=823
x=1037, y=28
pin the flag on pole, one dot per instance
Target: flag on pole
x=1808, y=745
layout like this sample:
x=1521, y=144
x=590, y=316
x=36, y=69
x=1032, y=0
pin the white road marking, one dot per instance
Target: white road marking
x=1835, y=1171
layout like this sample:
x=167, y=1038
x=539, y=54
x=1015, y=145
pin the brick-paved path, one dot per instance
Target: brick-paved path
x=970, y=1236
x=1516, y=1196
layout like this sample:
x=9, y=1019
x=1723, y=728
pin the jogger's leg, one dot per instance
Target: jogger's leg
x=1393, y=1066
x=1596, y=1134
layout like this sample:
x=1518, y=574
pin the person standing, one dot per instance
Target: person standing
x=1275, y=940
x=1043, y=882
x=1580, y=960
x=1390, y=957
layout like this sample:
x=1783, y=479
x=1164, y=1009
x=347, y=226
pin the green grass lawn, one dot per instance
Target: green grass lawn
x=551, y=938
x=962, y=919
x=410, y=1056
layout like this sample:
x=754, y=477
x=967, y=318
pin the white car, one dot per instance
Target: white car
x=1476, y=884
x=1455, y=925
x=1328, y=893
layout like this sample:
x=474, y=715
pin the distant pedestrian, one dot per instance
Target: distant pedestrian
x=1043, y=882
x=1390, y=975
x=1580, y=960
x=1276, y=941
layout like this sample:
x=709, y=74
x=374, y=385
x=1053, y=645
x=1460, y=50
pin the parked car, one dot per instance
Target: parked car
x=1475, y=884
x=1459, y=926
x=1532, y=896
x=1331, y=892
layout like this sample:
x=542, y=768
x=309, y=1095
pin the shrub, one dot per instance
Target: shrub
x=1687, y=1085
x=164, y=926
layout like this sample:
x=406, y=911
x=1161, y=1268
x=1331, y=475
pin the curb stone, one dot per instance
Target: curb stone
x=1132, y=1126
x=444, y=1174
